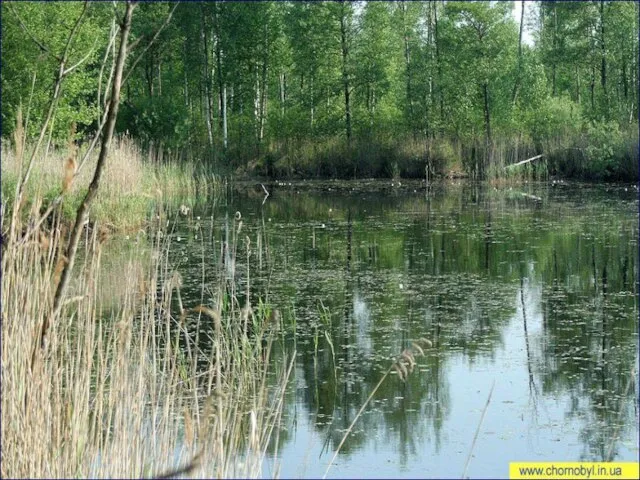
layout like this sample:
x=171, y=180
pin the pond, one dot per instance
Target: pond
x=528, y=293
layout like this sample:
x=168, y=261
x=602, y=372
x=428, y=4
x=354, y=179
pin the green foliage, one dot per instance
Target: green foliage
x=23, y=60
x=553, y=117
x=164, y=118
x=604, y=141
x=440, y=73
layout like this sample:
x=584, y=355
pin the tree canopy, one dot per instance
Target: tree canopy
x=240, y=83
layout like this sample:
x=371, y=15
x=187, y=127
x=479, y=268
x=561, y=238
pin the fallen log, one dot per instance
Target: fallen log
x=525, y=161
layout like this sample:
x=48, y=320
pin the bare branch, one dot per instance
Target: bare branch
x=155, y=37
x=110, y=77
x=74, y=30
x=135, y=43
x=83, y=210
x=28, y=32
x=50, y=113
x=93, y=143
x=83, y=59
x=112, y=38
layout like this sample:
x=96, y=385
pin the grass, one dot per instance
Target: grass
x=131, y=184
x=122, y=389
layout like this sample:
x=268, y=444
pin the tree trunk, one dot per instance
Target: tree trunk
x=407, y=63
x=487, y=119
x=438, y=63
x=282, y=94
x=555, y=52
x=313, y=110
x=516, y=85
x=592, y=87
x=633, y=67
x=225, y=136
x=345, y=73
x=578, y=84
x=83, y=210
x=263, y=92
x=222, y=87
x=206, y=78
x=185, y=91
x=256, y=107
x=625, y=84
x=603, y=68
x=148, y=74
x=430, y=99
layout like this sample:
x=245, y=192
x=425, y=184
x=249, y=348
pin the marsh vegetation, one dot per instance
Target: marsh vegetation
x=161, y=317
x=347, y=89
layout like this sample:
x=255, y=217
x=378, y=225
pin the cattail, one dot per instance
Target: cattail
x=408, y=356
x=18, y=135
x=103, y=234
x=274, y=317
x=417, y=348
x=188, y=428
x=70, y=164
x=44, y=241
x=207, y=311
x=143, y=287
x=401, y=369
x=62, y=261
x=70, y=167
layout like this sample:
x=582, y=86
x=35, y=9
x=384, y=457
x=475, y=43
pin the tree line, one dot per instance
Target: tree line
x=346, y=88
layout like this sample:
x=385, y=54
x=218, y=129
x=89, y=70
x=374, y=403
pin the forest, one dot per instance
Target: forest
x=342, y=89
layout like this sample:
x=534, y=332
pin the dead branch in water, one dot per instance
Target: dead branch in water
x=525, y=161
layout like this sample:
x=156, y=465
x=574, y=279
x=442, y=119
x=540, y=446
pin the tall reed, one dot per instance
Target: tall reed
x=132, y=181
x=125, y=391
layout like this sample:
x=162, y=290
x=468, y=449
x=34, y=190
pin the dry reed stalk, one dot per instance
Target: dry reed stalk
x=475, y=436
x=70, y=166
x=403, y=365
x=19, y=138
x=105, y=394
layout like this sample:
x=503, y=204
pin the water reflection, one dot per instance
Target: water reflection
x=534, y=287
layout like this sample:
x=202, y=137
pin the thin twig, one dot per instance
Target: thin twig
x=151, y=42
x=28, y=32
x=113, y=32
x=20, y=186
x=407, y=356
x=82, y=60
x=475, y=437
x=83, y=209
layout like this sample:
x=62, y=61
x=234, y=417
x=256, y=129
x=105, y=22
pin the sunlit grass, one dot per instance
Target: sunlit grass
x=130, y=186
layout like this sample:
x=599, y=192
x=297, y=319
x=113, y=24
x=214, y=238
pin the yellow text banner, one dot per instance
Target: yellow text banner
x=574, y=470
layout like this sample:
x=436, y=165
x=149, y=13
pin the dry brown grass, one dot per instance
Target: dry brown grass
x=111, y=394
x=129, y=187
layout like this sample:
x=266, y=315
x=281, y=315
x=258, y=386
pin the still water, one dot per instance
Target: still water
x=528, y=293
